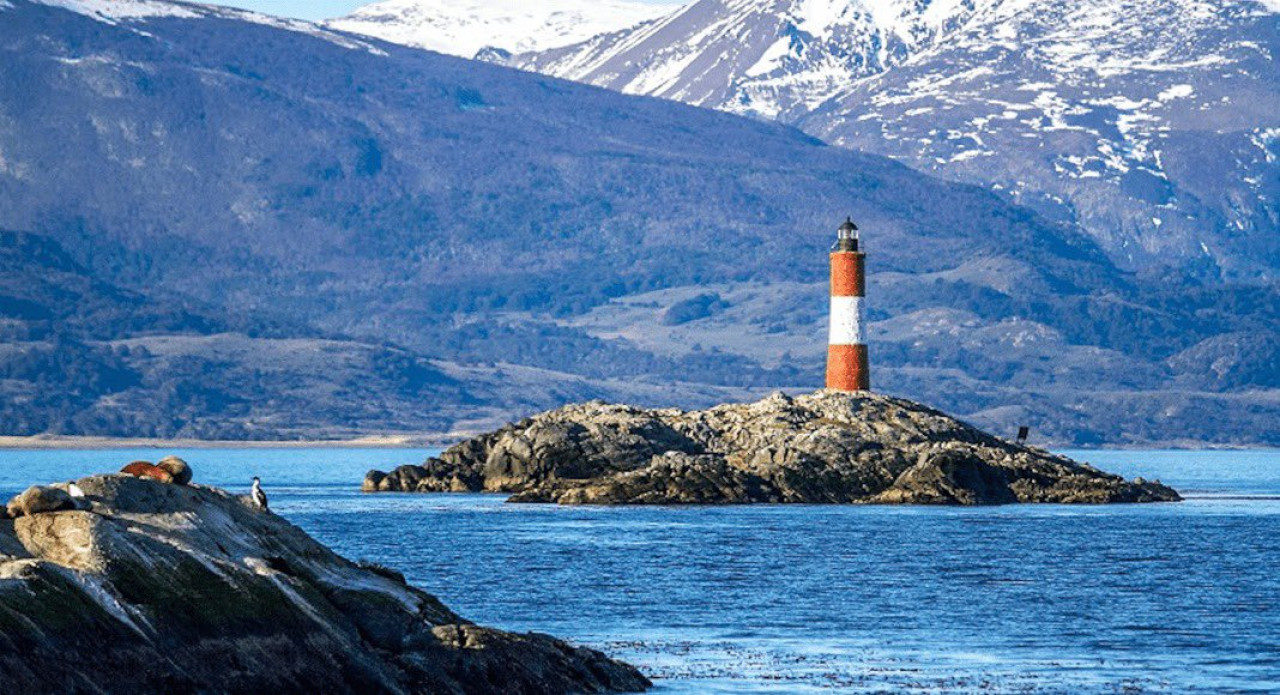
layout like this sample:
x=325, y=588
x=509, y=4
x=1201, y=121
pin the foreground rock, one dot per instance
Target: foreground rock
x=825, y=447
x=155, y=587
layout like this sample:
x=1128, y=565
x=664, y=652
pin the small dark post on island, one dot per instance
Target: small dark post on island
x=1023, y=431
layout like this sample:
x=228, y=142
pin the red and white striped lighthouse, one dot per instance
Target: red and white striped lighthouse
x=847, y=364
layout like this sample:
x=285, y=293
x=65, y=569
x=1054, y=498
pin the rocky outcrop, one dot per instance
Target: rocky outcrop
x=153, y=587
x=825, y=447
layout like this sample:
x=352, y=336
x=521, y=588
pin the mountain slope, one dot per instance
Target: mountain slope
x=464, y=28
x=1152, y=124
x=83, y=356
x=529, y=235
x=768, y=58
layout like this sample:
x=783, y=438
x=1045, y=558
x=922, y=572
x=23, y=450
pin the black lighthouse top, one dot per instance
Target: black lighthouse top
x=847, y=236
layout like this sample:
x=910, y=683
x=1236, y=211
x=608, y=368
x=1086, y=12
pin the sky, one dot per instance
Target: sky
x=322, y=9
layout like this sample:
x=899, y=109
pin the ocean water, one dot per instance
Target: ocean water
x=793, y=599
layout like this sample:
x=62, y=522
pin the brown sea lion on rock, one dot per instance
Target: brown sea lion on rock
x=177, y=468
x=146, y=469
x=38, y=499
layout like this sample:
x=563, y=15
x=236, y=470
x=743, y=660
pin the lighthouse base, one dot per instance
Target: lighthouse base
x=848, y=368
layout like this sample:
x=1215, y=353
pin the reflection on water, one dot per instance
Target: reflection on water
x=1159, y=598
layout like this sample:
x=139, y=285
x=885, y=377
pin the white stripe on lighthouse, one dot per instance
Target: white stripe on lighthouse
x=846, y=321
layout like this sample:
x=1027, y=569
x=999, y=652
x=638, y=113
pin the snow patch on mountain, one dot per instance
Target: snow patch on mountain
x=113, y=10
x=767, y=58
x=465, y=27
x=130, y=11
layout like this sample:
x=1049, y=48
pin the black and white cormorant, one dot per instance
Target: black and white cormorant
x=259, y=497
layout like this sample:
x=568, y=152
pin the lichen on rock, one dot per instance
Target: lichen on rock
x=824, y=447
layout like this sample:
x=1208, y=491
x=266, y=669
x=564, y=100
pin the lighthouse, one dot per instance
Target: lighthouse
x=848, y=368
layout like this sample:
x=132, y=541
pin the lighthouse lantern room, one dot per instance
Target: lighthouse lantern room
x=848, y=368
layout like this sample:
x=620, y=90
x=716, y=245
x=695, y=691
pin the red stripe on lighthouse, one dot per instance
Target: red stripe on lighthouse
x=846, y=274
x=847, y=368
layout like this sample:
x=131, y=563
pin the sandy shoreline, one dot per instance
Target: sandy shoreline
x=391, y=441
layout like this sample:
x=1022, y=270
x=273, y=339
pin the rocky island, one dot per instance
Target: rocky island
x=140, y=583
x=824, y=447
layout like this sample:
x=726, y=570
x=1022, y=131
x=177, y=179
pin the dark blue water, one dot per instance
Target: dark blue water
x=1148, y=598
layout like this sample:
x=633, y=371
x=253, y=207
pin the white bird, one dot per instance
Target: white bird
x=74, y=490
x=259, y=497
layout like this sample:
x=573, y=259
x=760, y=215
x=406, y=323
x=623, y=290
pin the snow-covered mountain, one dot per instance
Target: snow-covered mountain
x=465, y=27
x=247, y=227
x=1153, y=123
x=770, y=58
